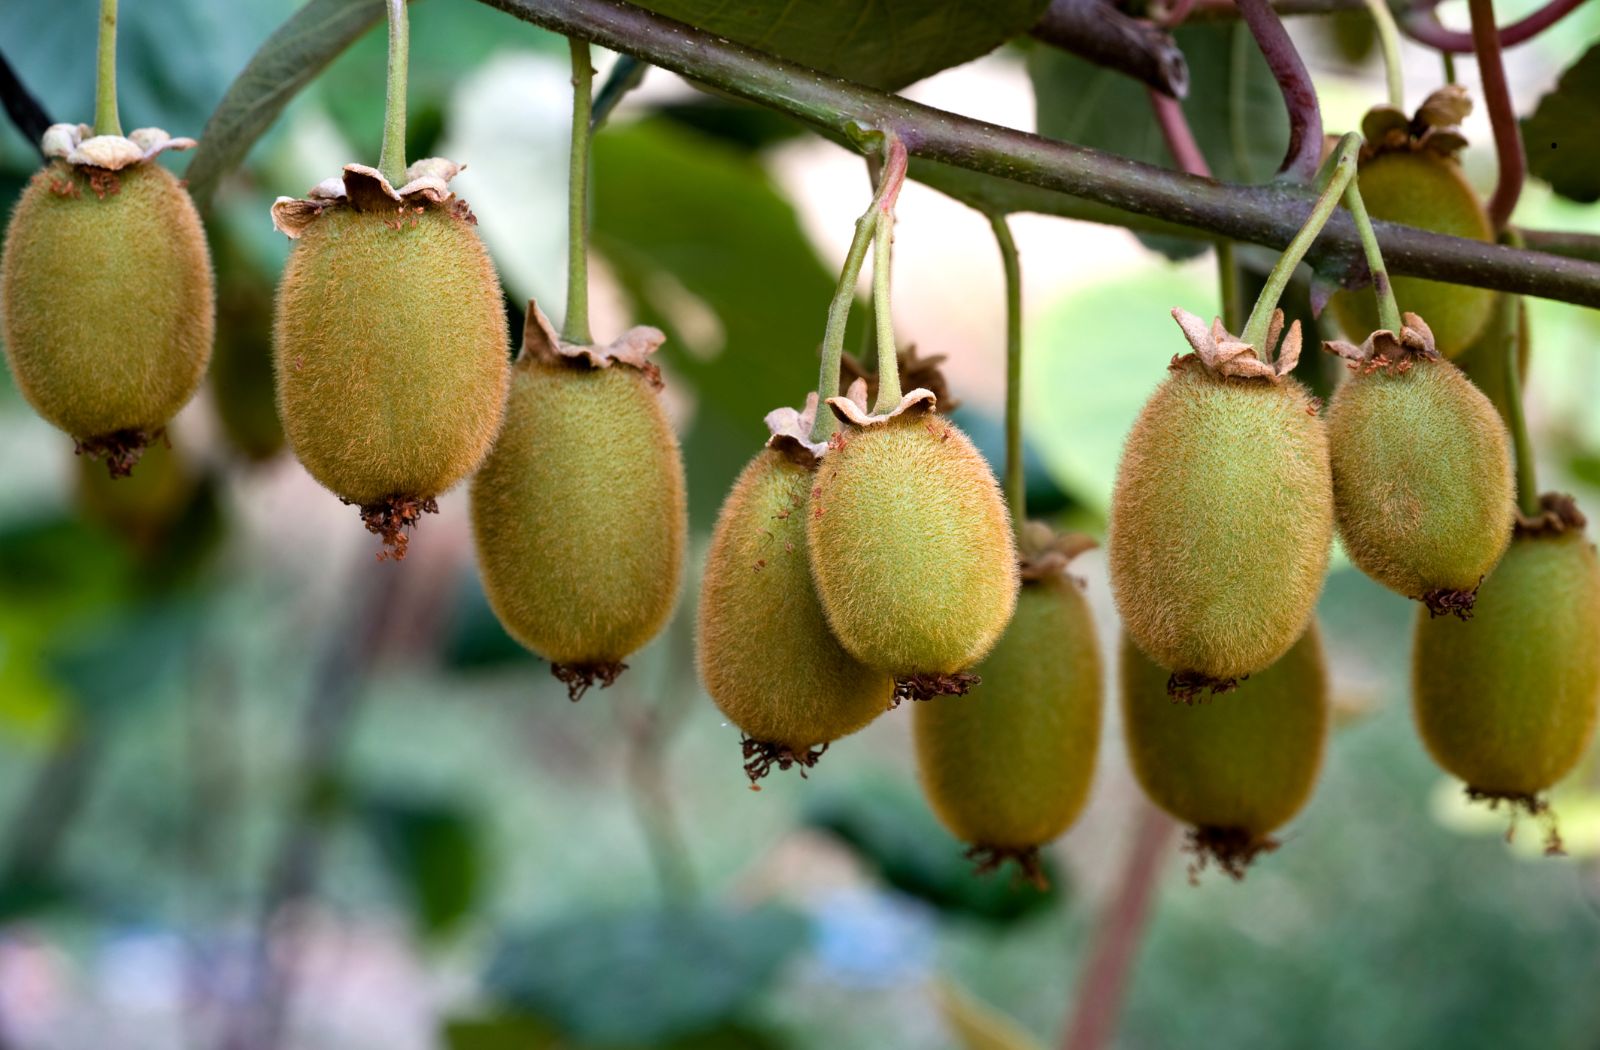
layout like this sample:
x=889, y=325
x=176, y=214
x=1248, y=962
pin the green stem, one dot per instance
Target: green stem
x=1382, y=287
x=844, y=296
x=888, y=356
x=106, y=121
x=1516, y=420
x=1335, y=174
x=1449, y=67
x=392, y=158
x=1228, y=279
x=1389, y=43
x=575, y=326
x=1016, y=479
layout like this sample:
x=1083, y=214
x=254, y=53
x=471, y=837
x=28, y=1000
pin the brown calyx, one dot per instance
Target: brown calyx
x=579, y=678
x=1434, y=128
x=1558, y=513
x=790, y=430
x=120, y=449
x=632, y=349
x=1232, y=849
x=919, y=687
x=1225, y=355
x=1391, y=353
x=916, y=372
x=1442, y=601
x=1185, y=687
x=1520, y=803
x=390, y=517
x=761, y=755
x=1045, y=553
x=986, y=860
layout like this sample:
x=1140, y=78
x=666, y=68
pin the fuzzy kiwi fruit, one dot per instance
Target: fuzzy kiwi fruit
x=1008, y=767
x=1423, y=486
x=106, y=292
x=1235, y=769
x=1221, y=523
x=764, y=649
x=579, y=514
x=1508, y=700
x=911, y=547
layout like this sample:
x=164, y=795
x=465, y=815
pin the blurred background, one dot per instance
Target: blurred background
x=258, y=789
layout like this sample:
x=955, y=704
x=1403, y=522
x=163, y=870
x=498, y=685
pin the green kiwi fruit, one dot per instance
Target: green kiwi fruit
x=106, y=292
x=1008, y=767
x=911, y=548
x=1508, y=700
x=391, y=356
x=579, y=515
x=764, y=649
x=243, y=387
x=1423, y=189
x=1423, y=486
x=1235, y=769
x=1221, y=524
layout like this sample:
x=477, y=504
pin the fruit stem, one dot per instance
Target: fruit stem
x=1508, y=318
x=1449, y=67
x=894, y=176
x=575, y=325
x=844, y=294
x=1016, y=478
x=392, y=156
x=106, y=121
x=1231, y=294
x=1336, y=173
x=1502, y=114
x=1382, y=287
x=1389, y=43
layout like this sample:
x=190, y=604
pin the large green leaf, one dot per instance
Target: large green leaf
x=884, y=43
x=1560, y=138
x=300, y=49
x=433, y=851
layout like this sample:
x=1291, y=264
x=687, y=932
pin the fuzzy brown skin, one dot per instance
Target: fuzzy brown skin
x=1508, y=701
x=1239, y=766
x=762, y=643
x=391, y=353
x=1008, y=767
x=911, y=546
x=1423, y=486
x=107, y=300
x=579, y=515
x=1221, y=523
x=1428, y=191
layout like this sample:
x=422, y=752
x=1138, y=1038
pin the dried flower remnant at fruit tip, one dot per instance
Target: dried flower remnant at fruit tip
x=790, y=431
x=1045, y=553
x=1226, y=355
x=121, y=449
x=632, y=349
x=1521, y=803
x=390, y=519
x=1233, y=850
x=79, y=146
x=852, y=407
x=760, y=756
x=987, y=860
x=1558, y=513
x=365, y=189
x=1434, y=128
x=916, y=372
x=1394, y=353
x=580, y=678
x=922, y=687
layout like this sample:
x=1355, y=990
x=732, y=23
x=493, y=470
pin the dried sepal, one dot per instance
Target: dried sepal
x=1227, y=355
x=852, y=408
x=1558, y=513
x=915, y=371
x=791, y=432
x=1046, y=553
x=366, y=189
x=1392, y=352
x=78, y=145
x=1435, y=127
x=632, y=349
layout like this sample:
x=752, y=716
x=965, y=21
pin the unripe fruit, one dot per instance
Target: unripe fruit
x=1423, y=486
x=578, y=514
x=1409, y=174
x=1508, y=700
x=911, y=545
x=243, y=388
x=1008, y=767
x=142, y=508
x=390, y=345
x=764, y=650
x=1236, y=768
x=106, y=296
x=1222, y=516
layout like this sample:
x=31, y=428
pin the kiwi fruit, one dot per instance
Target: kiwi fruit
x=107, y=299
x=1423, y=485
x=579, y=514
x=1234, y=769
x=911, y=547
x=765, y=653
x=1221, y=523
x=243, y=388
x=390, y=350
x=1008, y=767
x=1508, y=701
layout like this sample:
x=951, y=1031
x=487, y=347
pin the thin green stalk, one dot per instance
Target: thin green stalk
x=575, y=326
x=1228, y=278
x=1516, y=420
x=392, y=158
x=1382, y=287
x=844, y=296
x=106, y=121
x=1016, y=481
x=1335, y=174
x=888, y=355
x=1389, y=43
x=1449, y=67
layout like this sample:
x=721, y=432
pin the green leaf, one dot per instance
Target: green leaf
x=434, y=854
x=645, y=977
x=292, y=56
x=883, y=43
x=1559, y=137
x=499, y=1031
